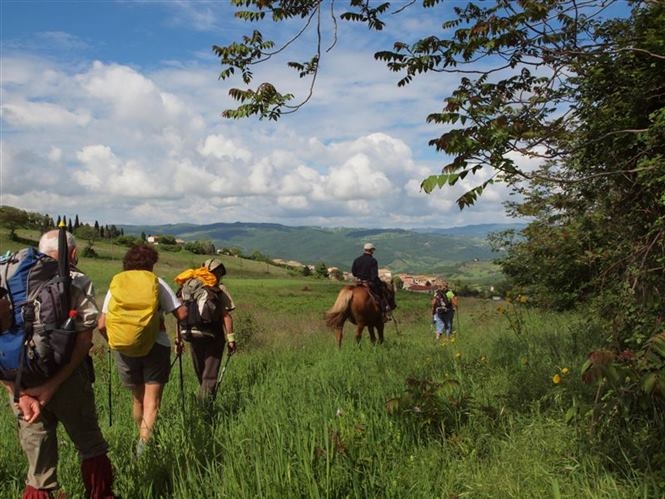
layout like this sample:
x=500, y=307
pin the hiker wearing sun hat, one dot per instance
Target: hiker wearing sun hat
x=365, y=269
x=208, y=341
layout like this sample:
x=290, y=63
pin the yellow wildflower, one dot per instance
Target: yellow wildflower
x=565, y=370
x=556, y=379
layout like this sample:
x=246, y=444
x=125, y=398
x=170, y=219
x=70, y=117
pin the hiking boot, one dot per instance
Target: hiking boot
x=140, y=448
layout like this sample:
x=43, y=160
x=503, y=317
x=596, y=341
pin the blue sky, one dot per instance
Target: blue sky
x=112, y=111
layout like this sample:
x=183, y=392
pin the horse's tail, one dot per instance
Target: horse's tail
x=338, y=313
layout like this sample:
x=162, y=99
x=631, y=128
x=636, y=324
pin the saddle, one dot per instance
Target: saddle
x=366, y=284
x=380, y=300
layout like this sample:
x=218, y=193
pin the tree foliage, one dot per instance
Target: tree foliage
x=200, y=247
x=14, y=218
x=600, y=231
x=88, y=233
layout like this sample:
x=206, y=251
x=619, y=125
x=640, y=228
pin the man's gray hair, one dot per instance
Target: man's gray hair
x=48, y=243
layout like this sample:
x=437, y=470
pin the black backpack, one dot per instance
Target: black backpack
x=204, y=310
x=34, y=306
x=443, y=304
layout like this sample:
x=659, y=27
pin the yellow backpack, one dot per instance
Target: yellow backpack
x=132, y=320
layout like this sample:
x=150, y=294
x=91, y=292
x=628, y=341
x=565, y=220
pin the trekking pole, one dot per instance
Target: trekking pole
x=110, y=391
x=220, y=376
x=182, y=383
x=397, y=332
x=458, y=321
x=179, y=349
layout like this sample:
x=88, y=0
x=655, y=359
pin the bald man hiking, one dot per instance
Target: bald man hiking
x=54, y=311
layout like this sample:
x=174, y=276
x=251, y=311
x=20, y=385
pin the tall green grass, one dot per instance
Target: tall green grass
x=477, y=417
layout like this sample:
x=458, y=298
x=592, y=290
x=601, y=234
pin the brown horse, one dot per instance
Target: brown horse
x=355, y=304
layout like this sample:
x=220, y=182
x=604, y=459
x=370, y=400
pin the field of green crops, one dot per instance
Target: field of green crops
x=481, y=416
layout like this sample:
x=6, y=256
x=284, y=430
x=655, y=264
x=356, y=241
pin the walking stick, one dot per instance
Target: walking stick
x=397, y=332
x=182, y=383
x=220, y=376
x=458, y=321
x=110, y=390
x=179, y=349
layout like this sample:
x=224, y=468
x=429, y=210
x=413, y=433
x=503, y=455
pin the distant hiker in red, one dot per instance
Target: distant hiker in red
x=66, y=397
x=133, y=323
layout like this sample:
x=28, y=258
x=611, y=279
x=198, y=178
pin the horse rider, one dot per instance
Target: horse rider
x=365, y=269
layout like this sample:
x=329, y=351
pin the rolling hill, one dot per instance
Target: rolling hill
x=423, y=250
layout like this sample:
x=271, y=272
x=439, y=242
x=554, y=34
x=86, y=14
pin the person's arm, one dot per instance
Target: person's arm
x=27, y=405
x=228, y=329
x=44, y=392
x=101, y=320
x=169, y=302
x=101, y=326
x=180, y=313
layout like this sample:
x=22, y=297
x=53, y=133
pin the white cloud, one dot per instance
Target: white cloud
x=356, y=179
x=144, y=144
x=38, y=114
x=219, y=147
x=55, y=154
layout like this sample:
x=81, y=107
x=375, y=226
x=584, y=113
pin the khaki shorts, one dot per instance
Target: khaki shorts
x=153, y=368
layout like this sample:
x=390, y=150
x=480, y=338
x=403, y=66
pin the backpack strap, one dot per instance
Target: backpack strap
x=28, y=312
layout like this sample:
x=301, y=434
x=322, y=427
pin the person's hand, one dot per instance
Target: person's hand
x=179, y=346
x=29, y=407
x=232, y=347
x=43, y=393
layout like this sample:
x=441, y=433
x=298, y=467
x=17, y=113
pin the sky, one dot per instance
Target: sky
x=111, y=110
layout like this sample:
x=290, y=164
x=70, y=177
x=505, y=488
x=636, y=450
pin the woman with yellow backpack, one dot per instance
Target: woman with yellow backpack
x=132, y=321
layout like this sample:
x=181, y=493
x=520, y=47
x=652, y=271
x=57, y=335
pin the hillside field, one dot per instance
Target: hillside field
x=480, y=416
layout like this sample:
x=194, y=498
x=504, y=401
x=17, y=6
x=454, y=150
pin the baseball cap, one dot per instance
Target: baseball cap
x=368, y=246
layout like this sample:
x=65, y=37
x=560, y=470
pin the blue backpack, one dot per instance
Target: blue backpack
x=33, y=309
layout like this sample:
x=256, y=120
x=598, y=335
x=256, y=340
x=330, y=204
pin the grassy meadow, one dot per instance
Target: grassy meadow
x=481, y=416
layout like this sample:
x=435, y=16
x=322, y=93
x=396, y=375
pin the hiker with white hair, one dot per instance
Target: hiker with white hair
x=54, y=300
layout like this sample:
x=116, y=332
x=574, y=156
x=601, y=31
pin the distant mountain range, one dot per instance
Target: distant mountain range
x=417, y=250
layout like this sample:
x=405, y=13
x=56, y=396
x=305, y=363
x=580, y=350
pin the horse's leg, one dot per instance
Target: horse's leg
x=379, y=329
x=359, y=331
x=372, y=336
x=339, y=333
